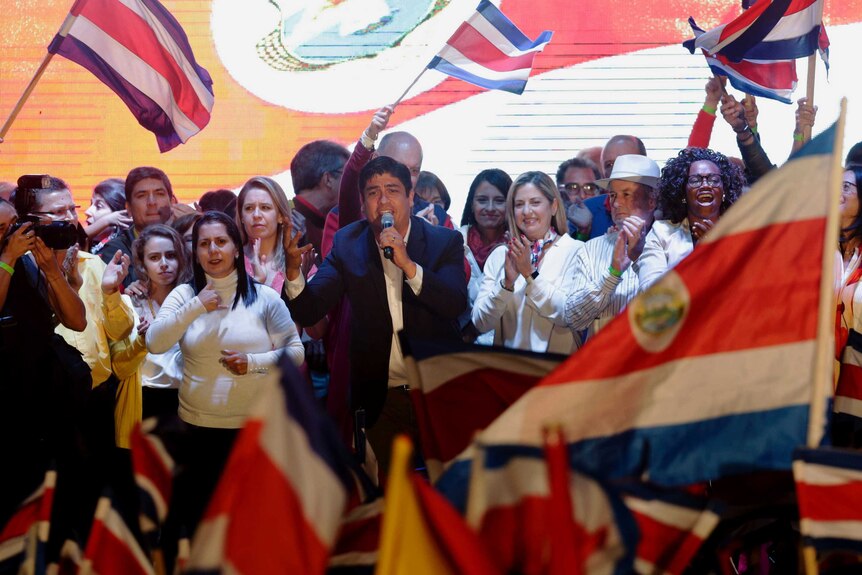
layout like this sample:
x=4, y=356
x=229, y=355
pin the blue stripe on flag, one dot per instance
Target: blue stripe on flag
x=833, y=544
x=820, y=145
x=446, y=67
x=321, y=433
x=454, y=484
x=717, y=447
x=505, y=26
x=839, y=458
x=739, y=82
x=738, y=49
x=788, y=49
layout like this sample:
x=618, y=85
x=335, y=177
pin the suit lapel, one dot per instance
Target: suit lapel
x=376, y=269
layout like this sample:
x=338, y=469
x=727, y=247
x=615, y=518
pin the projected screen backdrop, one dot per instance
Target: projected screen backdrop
x=289, y=71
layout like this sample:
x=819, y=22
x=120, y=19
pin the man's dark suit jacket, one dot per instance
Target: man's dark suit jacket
x=353, y=267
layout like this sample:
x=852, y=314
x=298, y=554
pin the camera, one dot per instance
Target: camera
x=56, y=235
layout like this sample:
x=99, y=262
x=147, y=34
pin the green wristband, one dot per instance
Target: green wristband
x=582, y=237
x=615, y=272
x=7, y=267
x=709, y=109
x=798, y=137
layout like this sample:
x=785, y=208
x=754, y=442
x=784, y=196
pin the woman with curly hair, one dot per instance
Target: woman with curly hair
x=696, y=187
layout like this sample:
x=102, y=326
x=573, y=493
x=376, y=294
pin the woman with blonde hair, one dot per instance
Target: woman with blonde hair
x=262, y=213
x=523, y=293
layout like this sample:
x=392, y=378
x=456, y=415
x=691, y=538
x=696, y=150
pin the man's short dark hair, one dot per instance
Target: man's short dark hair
x=315, y=159
x=27, y=195
x=142, y=173
x=218, y=200
x=385, y=165
x=579, y=163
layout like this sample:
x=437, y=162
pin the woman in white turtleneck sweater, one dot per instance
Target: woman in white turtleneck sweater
x=231, y=332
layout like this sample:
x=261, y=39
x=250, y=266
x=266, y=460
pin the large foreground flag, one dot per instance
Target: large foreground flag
x=112, y=548
x=279, y=503
x=25, y=535
x=421, y=533
x=488, y=50
x=139, y=50
x=459, y=389
x=829, y=492
x=712, y=371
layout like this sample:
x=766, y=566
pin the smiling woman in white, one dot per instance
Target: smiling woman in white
x=230, y=337
x=523, y=293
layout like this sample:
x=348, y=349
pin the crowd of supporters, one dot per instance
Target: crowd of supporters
x=153, y=308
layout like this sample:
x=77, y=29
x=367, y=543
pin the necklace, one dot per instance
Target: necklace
x=152, y=311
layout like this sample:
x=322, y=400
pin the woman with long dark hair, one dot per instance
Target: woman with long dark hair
x=106, y=216
x=231, y=331
x=696, y=188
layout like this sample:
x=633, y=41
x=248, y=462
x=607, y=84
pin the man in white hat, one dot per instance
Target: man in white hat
x=604, y=281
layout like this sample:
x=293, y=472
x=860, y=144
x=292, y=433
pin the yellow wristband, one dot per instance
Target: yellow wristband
x=7, y=267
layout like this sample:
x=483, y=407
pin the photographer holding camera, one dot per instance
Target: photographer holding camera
x=45, y=381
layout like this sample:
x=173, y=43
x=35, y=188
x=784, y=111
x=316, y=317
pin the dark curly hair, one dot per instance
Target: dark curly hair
x=674, y=179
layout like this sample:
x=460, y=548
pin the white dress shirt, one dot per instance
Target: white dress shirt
x=666, y=245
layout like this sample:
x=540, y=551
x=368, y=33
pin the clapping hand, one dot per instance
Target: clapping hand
x=293, y=253
x=699, y=228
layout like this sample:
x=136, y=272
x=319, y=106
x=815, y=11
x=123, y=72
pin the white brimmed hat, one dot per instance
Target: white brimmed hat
x=633, y=168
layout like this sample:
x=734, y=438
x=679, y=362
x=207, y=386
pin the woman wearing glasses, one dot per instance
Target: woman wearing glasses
x=846, y=431
x=483, y=225
x=696, y=187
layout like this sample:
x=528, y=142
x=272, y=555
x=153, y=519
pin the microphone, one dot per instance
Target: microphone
x=387, y=221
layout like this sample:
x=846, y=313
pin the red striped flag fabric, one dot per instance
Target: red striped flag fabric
x=112, y=547
x=488, y=50
x=23, y=538
x=153, y=465
x=358, y=541
x=461, y=388
x=140, y=51
x=279, y=503
x=829, y=493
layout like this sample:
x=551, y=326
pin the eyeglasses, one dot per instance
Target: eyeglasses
x=574, y=187
x=711, y=179
x=58, y=214
x=847, y=186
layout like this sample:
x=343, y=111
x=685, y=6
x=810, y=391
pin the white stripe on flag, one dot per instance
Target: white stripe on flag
x=849, y=405
x=663, y=512
x=319, y=490
x=815, y=474
x=446, y=367
x=115, y=524
x=795, y=25
x=805, y=174
x=495, y=37
x=731, y=383
x=168, y=43
x=136, y=71
x=831, y=529
x=456, y=58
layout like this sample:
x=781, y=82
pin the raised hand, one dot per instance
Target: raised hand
x=258, y=262
x=293, y=253
x=749, y=106
x=390, y=238
x=427, y=213
x=635, y=230
x=138, y=290
x=733, y=113
x=805, y=116
x=379, y=122
x=234, y=361
x=519, y=247
x=70, y=268
x=115, y=272
x=46, y=261
x=581, y=216
x=120, y=218
x=699, y=228
x=714, y=89
x=210, y=299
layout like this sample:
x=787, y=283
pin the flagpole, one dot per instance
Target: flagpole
x=64, y=29
x=823, y=375
x=809, y=92
x=413, y=83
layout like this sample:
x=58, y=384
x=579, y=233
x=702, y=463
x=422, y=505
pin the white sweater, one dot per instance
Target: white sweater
x=210, y=395
x=532, y=316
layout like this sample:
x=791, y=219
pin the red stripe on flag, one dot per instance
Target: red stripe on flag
x=267, y=531
x=110, y=554
x=360, y=536
x=775, y=75
x=744, y=20
x=467, y=403
x=128, y=29
x=850, y=381
x=841, y=502
x=479, y=49
x=775, y=283
x=21, y=522
x=665, y=546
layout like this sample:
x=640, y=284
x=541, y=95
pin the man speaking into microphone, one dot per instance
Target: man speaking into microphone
x=399, y=272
